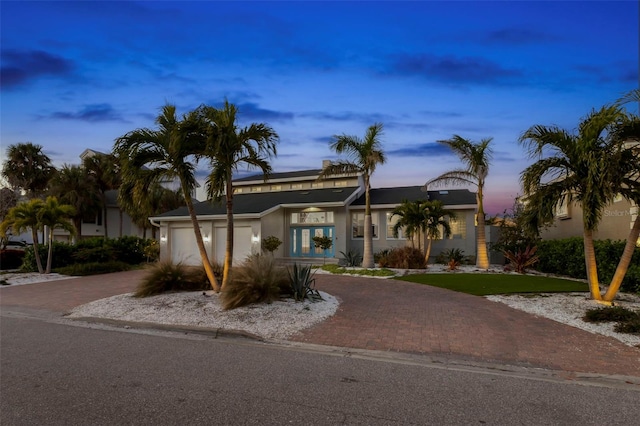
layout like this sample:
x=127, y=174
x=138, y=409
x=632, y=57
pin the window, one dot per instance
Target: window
x=237, y=190
x=256, y=189
x=92, y=219
x=317, y=185
x=357, y=225
x=276, y=187
x=458, y=229
x=391, y=222
x=312, y=217
x=296, y=186
x=340, y=183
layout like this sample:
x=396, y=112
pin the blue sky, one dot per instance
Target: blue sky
x=77, y=75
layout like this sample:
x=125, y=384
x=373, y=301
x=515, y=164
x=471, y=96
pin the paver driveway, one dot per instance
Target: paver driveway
x=389, y=315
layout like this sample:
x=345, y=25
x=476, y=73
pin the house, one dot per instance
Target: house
x=295, y=207
x=617, y=220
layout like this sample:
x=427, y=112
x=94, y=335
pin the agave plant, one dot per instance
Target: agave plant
x=303, y=283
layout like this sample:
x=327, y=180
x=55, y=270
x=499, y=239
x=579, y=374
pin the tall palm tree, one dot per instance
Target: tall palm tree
x=105, y=171
x=228, y=148
x=476, y=157
x=627, y=134
x=410, y=220
x=434, y=219
x=584, y=167
x=27, y=168
x=74, y=186
x=53, y=215
x=170, y=152
x=364, y=155
x=24, y=218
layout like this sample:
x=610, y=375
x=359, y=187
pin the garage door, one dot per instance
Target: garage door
x=183, y=247
x=241, y=243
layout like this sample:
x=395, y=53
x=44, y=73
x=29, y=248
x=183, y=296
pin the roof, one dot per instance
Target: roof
x=396, y=195
x=280, y=176
x=258, y=203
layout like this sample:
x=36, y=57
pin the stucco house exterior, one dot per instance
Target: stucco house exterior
x=295, y=207
x=617, y=220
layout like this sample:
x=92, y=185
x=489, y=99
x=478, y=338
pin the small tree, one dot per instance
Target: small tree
x=271, y=244
x=325, y=243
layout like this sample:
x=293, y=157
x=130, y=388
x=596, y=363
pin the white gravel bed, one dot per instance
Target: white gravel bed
x=276, y=321
x=22, y=278
x=569, y=308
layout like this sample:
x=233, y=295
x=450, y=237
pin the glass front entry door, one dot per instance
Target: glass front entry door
x=302, y=241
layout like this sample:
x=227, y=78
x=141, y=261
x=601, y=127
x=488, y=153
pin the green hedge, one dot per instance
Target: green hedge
x=130, y=250
x=566, y=257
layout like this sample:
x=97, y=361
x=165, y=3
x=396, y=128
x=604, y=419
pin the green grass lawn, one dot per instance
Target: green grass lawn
x=486, y=284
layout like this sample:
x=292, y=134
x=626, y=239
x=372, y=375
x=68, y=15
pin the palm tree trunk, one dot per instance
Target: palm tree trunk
x=482, y=258
x=34, y=237
x=625, y=260
x=196, y=229
x=367, y=253
x=50, y=254
x=427, y=252
x=228, y=256
x=590, y=263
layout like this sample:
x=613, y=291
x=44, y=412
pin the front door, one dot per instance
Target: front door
x=302, y=241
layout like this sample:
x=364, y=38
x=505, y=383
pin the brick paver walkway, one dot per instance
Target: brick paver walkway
x=390, y=315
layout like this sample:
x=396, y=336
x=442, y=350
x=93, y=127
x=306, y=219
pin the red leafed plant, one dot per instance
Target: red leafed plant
x=522, y=259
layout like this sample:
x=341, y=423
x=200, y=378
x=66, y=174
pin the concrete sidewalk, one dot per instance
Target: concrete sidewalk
x=396, y=316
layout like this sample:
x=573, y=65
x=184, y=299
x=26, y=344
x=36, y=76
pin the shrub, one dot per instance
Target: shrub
x=257, y=280
x=566, y=257
x=128, y=249
x=165, y=276
x=11, y=259
x=303, y=283
x=402, y=258
x=631, y=326
x=609, y=314
x=62, y=256
x=352, y=258
x=522, y=259
x=151, y=250
x=93, y=268
x=382, y=257
x=271, y=243
x=94, y=254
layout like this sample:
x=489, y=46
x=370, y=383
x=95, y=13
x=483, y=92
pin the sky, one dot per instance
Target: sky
x=79, y=74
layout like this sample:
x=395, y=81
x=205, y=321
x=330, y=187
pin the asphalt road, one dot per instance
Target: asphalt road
x=54, y=373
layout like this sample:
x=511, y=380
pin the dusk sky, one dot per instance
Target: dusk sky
x=77, y=75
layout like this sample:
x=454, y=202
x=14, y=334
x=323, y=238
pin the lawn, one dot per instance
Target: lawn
x=486, y=284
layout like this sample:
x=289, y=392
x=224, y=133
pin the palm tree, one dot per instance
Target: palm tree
x=170, y=152
x=411, y=219
x=229, y=147
x=627, y=133
x=74, y=186
x=23, y=218
x=364, y=156
x=54, y=215
x=476, y=157
x=105, y=171
x=27, y=168
x=434, y=213
x=584, y=167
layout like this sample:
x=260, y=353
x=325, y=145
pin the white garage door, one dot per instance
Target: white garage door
x=183, y=247
x=241, y=243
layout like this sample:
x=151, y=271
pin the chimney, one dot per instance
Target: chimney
x=325, y=164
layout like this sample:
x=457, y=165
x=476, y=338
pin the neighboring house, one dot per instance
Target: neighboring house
x=617, y=220
x=119, y=223
x=295, y=207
